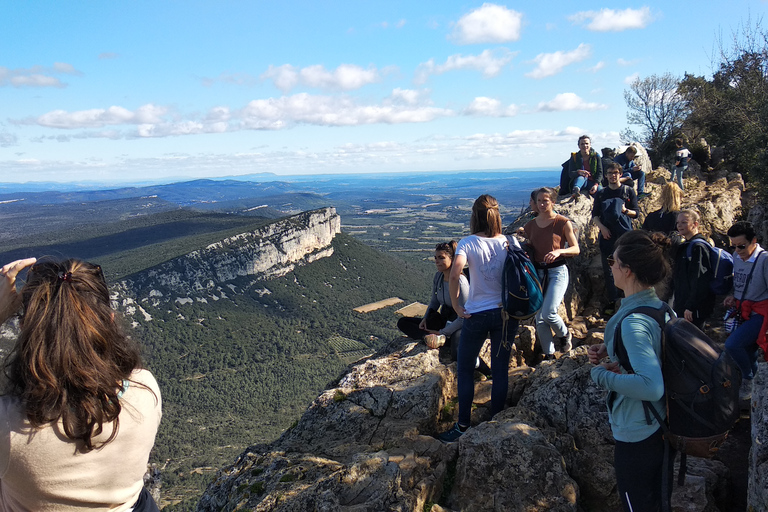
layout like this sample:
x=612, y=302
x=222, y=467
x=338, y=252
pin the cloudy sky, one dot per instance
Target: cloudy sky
x=165, y=90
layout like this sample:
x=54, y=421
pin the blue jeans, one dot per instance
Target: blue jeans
x=742, y=345
x=610, y=288
x=474, y=332
x=582, y=183
x=547, y=319
x=677, y=172
x=638, y=175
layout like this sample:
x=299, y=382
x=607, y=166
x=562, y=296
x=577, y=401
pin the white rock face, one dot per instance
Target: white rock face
x=268, y=252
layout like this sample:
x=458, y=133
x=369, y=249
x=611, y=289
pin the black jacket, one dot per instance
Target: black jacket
x=690, y=279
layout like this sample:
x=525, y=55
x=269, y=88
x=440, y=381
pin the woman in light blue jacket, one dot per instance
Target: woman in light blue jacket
x=638, y=262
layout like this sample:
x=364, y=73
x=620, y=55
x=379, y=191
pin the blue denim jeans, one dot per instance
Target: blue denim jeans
x=742, y=345
x=547, y=319
x=476, y=329
x=677, y=175
x=638, y=175
x=584, y=184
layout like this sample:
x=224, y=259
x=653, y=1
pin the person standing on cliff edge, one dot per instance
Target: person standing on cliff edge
x=485, y=251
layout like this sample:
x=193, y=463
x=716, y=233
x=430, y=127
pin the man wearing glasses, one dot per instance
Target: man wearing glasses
x=750, y=297
x=613, y=210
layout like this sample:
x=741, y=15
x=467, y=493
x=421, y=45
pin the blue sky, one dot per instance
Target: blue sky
x=166, y=90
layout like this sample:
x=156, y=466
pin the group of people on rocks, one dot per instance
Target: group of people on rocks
x=635, y=262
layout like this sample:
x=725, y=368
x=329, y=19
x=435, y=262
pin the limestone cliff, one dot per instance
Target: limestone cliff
x=268, y=252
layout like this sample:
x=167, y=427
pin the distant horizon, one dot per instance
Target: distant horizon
x=83, y=185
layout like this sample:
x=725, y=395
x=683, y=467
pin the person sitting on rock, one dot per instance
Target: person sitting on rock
x=440, y=320
x=664, y=220
x=585, y=169
x=750, y=284
x=547, y=235
x=79, y=413
x=485, y=251
x=631, y=172
x=608, y=158
x=682, y=155
x=694, y=300
x=614, y=208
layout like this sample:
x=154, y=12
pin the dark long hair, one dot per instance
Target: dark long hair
x=71, y=357
x=645, y=254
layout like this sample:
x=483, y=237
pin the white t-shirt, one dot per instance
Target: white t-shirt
x=485, y=257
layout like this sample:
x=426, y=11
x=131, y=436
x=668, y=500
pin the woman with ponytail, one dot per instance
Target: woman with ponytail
x=638, y=262
x=485, y=251
x=79, y=414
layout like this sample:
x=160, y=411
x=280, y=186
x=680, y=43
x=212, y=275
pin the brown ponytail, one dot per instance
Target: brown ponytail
x=71, y=358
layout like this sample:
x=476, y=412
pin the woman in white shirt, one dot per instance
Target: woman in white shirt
x=485, y=252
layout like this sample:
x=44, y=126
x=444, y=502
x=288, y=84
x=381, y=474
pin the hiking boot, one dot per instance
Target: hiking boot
x=453, y=434
x=567, y=342
x=434, y=340
x=575, y=193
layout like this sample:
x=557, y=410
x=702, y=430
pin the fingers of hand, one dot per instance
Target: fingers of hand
x=11, y=270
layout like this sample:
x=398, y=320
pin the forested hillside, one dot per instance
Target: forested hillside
x=241, y=369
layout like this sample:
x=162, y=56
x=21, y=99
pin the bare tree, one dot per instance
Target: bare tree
x=654, y=104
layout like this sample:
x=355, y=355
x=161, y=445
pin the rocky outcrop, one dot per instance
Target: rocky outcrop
x=268, y=252
x=367, y=443
x=757, y=494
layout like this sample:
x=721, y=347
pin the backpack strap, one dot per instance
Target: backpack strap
x=620, y=351
x=691, y=243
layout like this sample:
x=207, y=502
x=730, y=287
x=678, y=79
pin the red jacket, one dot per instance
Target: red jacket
x=761, y=308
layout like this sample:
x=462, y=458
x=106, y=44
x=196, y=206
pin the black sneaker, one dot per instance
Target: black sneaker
x=455, y=432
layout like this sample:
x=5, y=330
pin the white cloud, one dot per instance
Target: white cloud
x=625, y=62
x=97, y=118
x=631, y=78
x=409, y=96
x=8, y=139
x=609, y=20
x=568, y=101
x=490, y=23
x=108, y=55
x=276, y=113
x=346, y=77
x=549, y=64
x=597, y=67
x=36, y=76
x=403, y=106
x=489, y=63
x=489, y=107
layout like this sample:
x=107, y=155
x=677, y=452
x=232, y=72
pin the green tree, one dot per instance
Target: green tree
x=731, y=109
x=654, y=104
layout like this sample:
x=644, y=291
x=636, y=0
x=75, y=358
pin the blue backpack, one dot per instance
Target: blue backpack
x=720, y=263
x=521, y=292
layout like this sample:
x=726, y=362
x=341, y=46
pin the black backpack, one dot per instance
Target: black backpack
x=701, y=386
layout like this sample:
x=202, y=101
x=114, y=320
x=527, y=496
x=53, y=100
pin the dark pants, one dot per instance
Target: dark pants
x=145, y=503
x=476, y=329
x=639, y=473
x=409, y=325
